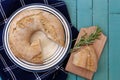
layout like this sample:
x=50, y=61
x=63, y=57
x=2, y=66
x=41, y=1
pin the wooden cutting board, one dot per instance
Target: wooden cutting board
x=98, y=46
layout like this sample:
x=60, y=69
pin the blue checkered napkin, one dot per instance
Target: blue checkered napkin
x=8, y=70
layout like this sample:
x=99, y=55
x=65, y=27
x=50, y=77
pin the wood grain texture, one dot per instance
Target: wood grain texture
x=114, y=47
x=84, y=16
x=84, y=13
x=71, y=5
x=114, y=6
x=101, y=18
x=106, y=14
x=95, y=12
x=98, y=46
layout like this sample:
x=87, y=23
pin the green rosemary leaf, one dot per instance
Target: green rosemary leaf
x=88, y=40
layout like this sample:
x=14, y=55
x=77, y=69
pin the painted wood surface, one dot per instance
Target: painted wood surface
x=106, y=14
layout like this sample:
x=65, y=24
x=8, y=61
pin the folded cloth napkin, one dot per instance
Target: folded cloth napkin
x=8, y=70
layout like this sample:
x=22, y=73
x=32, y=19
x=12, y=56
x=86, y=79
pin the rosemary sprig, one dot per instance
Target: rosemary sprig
x=88, y=40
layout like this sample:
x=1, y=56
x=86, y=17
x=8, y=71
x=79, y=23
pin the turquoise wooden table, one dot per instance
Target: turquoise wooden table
x=106, y=14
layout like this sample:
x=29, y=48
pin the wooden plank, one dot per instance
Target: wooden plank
x=100, y=18
x=114, y=45
x=71, y=5
x=84, y=13
x=114, y=6
x=84, y=17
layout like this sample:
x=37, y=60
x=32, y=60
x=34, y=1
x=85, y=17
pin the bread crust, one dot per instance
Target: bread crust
x=86, y=58
x=24, y=25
